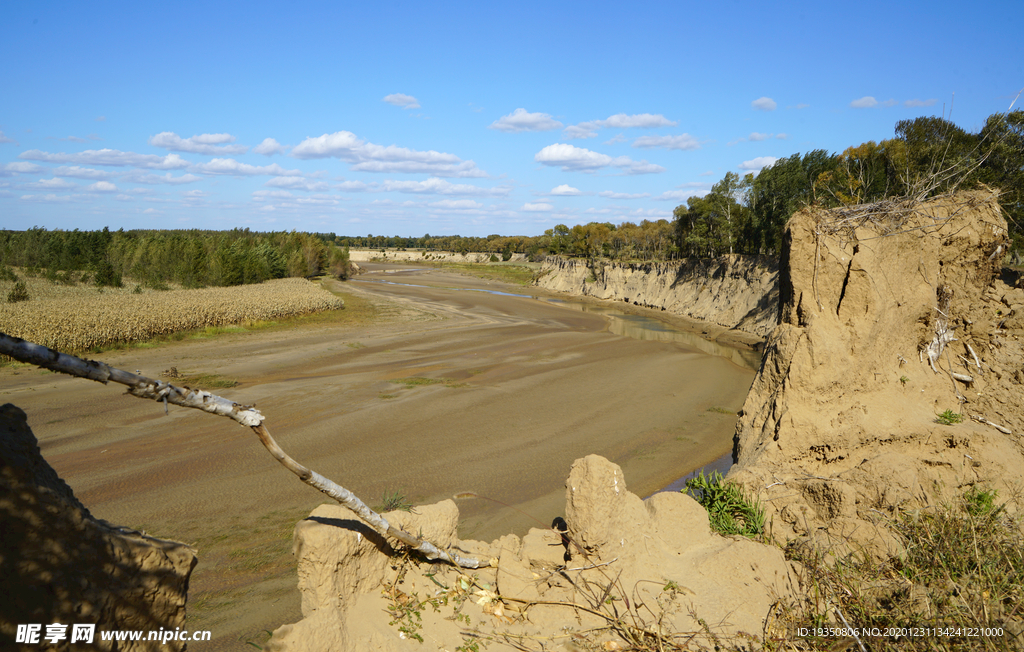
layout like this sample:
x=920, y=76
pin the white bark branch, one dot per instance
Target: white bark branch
x=158, y=390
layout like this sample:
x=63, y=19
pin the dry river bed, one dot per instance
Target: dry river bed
x=518, y=387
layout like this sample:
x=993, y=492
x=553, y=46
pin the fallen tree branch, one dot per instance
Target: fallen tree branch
x=158, y=390
x=981, y=419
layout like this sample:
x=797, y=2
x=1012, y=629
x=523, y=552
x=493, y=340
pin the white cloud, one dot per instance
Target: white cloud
x=81, y=173
x=572, y=158
x=621, y=138
x=352, y=186
x=263, y=195
x=782, y=136
x=456, y=204
x=194, y=194
x=102, y=186
x=111, y=157
x=682, y=142
x=269, y=147
x=757, y=137
x=435, y=186
x=5, y=139
x=296, y=183
x=538, y=207
x=608, y=194
x=918, y=103
x=52, y=184
x=865, y=102
x=706, y=174
x=521, y=120
x=641, y=120
x=680, y=195
x=47, y=199
x=755, y=165
x=402, y=100
x=230, y=166
x=889, y=102
x=764, y=104
x=565, y=190
x=574, y=132
x=154, y=179
x=11, y=169
x=368, y=157
x=211, y=144
x=618, y=121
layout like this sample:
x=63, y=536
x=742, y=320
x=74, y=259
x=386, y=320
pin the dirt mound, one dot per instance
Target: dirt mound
x=58, y=564
x=888, y=320
x=626, y=568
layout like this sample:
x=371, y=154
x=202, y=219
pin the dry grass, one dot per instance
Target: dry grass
x=82, y=318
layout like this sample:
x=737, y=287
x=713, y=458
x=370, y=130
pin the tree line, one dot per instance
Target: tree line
x=155, y=258
x=927, y=156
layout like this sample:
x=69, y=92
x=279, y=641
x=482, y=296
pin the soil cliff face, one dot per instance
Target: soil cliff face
x=887, y=319
x=739, y=292
x=58, y=564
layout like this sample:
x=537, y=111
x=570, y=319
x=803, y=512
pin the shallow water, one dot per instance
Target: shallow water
x=637, y=327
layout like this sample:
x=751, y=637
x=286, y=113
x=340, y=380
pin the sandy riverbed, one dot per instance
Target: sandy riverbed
x=527, y=386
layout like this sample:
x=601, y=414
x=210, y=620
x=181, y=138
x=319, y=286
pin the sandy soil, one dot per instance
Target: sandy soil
x=525, y=387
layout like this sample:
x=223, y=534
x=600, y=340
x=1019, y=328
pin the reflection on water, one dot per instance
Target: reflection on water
x=640, y=327
x=722, y=465
x=637, y=327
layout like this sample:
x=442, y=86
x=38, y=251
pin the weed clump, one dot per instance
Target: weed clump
x=948, y=418
x=729, y=511
x=958, y=586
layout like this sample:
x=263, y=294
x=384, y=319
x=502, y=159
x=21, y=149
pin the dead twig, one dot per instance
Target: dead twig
x=158, y=390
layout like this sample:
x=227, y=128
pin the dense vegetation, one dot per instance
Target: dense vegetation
x=927, y=156
x=155, y=258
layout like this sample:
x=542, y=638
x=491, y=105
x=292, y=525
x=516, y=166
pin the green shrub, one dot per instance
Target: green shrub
x=948, y=418
x=729, y=511
x=18, y=293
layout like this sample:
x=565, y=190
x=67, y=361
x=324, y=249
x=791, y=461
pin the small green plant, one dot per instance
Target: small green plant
x=948, y=418
x=904, y=380
x=18, y=293
x=729, y=511
x=393, y=502
x=980, y=502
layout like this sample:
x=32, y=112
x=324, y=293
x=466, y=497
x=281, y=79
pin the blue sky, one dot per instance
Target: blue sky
x=406, y=118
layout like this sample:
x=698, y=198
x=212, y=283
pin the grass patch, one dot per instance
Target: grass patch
x=208, y=381
x=962, y=572
x=393, y=501
x=729, y=511
x=721, y=410
x=387, y=396
x=948, y=418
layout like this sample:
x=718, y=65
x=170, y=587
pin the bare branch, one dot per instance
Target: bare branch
x=158, y=390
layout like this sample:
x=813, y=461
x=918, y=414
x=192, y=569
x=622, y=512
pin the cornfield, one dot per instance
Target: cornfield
x=78, y=318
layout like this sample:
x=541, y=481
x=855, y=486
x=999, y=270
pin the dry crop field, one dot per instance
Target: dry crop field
x=79, y=318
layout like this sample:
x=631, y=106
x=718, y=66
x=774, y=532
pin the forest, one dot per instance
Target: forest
x=927, y=156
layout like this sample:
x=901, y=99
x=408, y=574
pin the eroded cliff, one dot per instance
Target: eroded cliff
x=737, y=292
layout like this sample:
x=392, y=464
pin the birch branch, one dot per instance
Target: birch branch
x=158, y=390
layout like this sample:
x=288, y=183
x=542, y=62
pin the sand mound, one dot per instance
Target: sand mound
x=840, y=426
x=60, y=565
x=626, y=567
